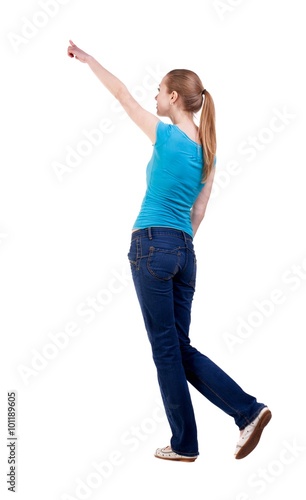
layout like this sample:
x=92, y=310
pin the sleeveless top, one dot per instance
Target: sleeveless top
x=173, y=176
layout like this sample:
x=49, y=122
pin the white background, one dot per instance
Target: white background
x=64, y=239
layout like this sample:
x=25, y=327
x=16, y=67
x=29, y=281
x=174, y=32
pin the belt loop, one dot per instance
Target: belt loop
x=184, y=236
x=150, y=233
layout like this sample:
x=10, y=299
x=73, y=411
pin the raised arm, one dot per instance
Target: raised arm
x=199, y=206
x=145, y=120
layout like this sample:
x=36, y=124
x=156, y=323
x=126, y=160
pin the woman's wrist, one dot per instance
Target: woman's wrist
x=89, y=59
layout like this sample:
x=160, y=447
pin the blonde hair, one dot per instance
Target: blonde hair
x=192, y=93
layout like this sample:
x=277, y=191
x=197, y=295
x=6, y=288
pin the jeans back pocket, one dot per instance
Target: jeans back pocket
x=163, y=264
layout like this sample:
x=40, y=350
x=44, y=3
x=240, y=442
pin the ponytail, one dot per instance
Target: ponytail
x=190, y=89
x=207, y=134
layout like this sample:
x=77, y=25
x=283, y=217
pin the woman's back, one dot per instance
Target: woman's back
x=174, y=176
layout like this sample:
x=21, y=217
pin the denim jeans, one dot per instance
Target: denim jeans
x=163, y=265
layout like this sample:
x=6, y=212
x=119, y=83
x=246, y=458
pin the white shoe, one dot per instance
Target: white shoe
x=251, y=434
x=167, y=454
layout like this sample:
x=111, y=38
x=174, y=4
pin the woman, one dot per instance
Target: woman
x=163, y=263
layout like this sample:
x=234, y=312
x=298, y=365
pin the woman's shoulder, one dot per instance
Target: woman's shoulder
x=163, y=131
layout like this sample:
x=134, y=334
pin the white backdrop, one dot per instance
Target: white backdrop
x=73, y=345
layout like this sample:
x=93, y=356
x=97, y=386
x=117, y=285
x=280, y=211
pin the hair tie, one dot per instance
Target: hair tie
x=203, y=92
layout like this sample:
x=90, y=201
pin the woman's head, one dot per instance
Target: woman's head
x=185, y=88
x=188, y=87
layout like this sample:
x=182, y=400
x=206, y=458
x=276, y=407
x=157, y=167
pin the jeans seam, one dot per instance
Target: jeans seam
x=221, y=399
x=193, y=279
x=138, y=253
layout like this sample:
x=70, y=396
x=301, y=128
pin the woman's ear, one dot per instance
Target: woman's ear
x=173, y=97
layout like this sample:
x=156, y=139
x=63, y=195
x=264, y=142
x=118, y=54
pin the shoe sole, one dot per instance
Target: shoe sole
x=254, y=438
x=177, y=459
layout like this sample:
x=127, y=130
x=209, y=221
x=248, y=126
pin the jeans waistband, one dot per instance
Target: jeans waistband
x=151, y=232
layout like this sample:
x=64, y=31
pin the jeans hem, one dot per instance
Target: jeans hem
x=183, y=453
x=253, y=417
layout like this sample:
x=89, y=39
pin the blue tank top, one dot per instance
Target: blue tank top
x=173, y=177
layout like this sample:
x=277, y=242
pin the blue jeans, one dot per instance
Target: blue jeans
x=163, y=265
